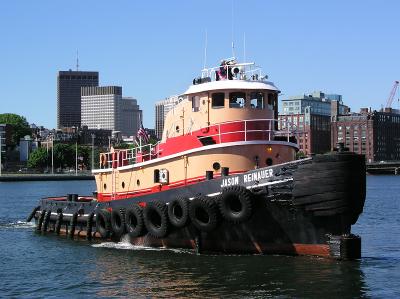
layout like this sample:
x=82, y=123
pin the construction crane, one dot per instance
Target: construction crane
x=392, y=94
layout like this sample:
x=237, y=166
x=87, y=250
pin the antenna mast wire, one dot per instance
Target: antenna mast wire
x=205, y=52
x=233, y=44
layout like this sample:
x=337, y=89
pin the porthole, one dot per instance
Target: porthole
x=105, y=186
x=138, y=182
x=216, y=166
x=123, y=185
x=268, y=162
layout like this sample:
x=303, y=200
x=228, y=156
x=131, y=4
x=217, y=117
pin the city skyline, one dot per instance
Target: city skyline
x=340, y=47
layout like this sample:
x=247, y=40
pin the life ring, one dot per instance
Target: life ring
x=203, y=213
x=236, y=204
x=103, y=223
x=89, y=226
x=178, y=212
x=59, y=220
x=73, y=222
x=118, y=223
x=134, y=221
x=32, y=214
x=156, y=219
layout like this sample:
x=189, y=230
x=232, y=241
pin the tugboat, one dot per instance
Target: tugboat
x=223, y=179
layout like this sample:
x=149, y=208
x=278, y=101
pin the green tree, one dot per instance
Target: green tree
x=84, y=156
x=19, y=124
x=64, y=155
x=300, y=155
x=38, y=159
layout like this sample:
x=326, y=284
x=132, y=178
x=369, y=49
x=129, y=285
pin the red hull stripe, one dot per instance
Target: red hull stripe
x=155, y=189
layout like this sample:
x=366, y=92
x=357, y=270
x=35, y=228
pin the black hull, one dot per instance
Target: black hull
x=303, y=207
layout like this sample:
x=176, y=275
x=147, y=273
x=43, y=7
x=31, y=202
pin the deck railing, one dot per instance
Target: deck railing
x=230, y=131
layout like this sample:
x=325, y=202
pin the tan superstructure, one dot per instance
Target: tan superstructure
x=225, y=123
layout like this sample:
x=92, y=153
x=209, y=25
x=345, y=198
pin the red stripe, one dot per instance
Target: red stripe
x=155, y=189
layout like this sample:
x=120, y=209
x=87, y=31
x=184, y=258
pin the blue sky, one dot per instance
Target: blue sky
x=154, y=49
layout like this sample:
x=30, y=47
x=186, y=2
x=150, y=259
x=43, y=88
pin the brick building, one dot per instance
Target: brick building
x=310, y=117
x=376, y=134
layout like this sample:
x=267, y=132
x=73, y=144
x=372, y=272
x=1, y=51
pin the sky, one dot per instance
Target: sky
x=154, y=49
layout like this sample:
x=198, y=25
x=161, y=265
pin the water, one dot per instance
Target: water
x=37, y=266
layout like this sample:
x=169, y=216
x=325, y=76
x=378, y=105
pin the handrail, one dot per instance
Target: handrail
x=147, y=152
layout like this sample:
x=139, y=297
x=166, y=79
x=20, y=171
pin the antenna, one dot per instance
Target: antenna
x=77, y=60
x=205, y=52
x=233, y=44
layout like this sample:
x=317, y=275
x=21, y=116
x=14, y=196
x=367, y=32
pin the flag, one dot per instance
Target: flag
x=142, y=134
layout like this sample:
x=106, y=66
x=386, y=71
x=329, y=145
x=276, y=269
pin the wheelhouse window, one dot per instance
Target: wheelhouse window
x=257, y=100
x=218, y=100
x=237, y=99
x=195, y=103
x=272, y=101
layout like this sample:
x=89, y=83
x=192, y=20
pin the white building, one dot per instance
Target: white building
x=161, y=110
x=105, y=108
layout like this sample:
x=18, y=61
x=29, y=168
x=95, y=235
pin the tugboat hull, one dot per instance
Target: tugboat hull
x=304, y=207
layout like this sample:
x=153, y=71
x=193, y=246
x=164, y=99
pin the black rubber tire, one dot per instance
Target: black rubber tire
x=59, y=220
x=89, y=226
x=32, y=214
x=118, y=223
x=40, y=220
x=327, y=205
x=332, y=212
x=103, y=223
x=236, y=204
x=156, y=219
x=134, y=221
x=46, y=221
x=178, y=212
x=73, y=222
x=318, y=198
x=203, y=212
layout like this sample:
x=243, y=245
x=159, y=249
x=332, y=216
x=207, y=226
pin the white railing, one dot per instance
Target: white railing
x=269, y=130
x=124, y=157
x=248, y=71
x=249, y=130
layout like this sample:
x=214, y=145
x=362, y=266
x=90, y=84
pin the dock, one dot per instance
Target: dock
x=384, y=167
x=44, y=177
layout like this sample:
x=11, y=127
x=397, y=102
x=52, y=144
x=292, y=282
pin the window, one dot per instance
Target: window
x=271, y=102
x=237, y=99
x=218, y=100
x=195, y=103
x=257, y=100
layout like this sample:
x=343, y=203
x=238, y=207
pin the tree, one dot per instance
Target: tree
x=64, y=155
x=38, y=159
x=300, y=155
x=19, y=124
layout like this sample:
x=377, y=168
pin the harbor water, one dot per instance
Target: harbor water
x=45, y=266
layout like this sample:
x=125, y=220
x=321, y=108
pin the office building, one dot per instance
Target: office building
x=161, y=110
x=105, y=108
x=376, y=134
x=69, y=85
x=318, y=102
x=310, y=117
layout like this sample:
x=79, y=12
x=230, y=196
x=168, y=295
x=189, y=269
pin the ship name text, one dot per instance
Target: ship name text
x=230, y=182
x=257, y=176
